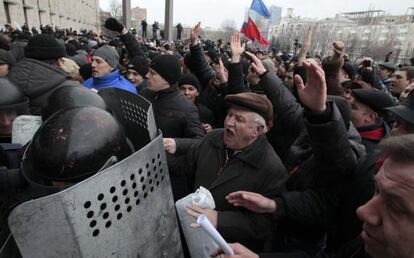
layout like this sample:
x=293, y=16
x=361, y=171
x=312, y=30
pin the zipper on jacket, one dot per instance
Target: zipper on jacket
x=227, y=160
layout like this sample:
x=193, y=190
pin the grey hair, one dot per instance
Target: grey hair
x=399, y=148
x=261, y=122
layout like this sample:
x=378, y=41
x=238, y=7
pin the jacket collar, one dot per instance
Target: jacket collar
x=253, y=154
x=107, y=78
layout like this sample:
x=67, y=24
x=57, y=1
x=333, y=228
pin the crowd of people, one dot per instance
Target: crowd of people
x=305, y=156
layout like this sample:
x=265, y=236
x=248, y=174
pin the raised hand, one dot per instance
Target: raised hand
x=113, y=25
x=256, y=64
x=220, y=69
x=306, y=45
x=332, y=64
x=252, y=201
x=237, y=48
x=313, y=94
x=194, y=34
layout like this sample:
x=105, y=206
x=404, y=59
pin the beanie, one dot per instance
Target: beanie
x=140, y=65
x=109, y=54
x=189, y=79
x=168, y=67
x=44, y=47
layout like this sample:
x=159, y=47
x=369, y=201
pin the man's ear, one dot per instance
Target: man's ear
x=373, y=116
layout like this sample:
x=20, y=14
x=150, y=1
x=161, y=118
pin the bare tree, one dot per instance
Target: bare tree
x=115, y=7
x=229, y=27
x=324, y=35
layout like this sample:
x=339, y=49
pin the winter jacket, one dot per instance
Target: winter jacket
x=132, y=45
x=37, y=80
x=175, y=115
x=113, y=79
x=320, y=164
x=257, y=169
x=288, y=120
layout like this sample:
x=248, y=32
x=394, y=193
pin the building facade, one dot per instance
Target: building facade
x=373, y=35
x=83, y=14
x=137, y=16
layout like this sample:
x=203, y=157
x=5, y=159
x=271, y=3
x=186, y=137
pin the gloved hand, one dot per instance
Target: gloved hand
x=113, y=25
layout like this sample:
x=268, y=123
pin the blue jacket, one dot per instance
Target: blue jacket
x=113, y=79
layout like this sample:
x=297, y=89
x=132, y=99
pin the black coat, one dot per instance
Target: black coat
x=209, y=95
x=288, y=119
x=256, y=169
x=175, y=115
x=320, y=165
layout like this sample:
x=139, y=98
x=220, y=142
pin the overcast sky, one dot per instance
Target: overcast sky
x=213, y=12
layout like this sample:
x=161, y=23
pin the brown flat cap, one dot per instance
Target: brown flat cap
x=254, y=102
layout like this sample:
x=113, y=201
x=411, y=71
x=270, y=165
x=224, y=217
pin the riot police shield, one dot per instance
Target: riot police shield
x=134, y=113
x=127, y=210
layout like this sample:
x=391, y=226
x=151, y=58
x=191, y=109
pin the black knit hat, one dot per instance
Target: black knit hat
x=140, y=65
x=168, y=67
x=44, y=47
x=190, y=79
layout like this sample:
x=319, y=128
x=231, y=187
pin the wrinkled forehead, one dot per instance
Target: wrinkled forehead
x=397, y=179
x=242, y=111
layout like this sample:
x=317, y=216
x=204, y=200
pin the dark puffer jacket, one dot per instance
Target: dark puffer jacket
x=321, y=166
x=174, y=114
x=37, y=80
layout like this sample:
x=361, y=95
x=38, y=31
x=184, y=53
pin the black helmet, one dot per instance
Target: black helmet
x=71, y=96
x=11, y=98
x=75, y=143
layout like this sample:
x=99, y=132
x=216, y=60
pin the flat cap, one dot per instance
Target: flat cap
x=375, y=99
x=388, y=65
x=254, y=102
